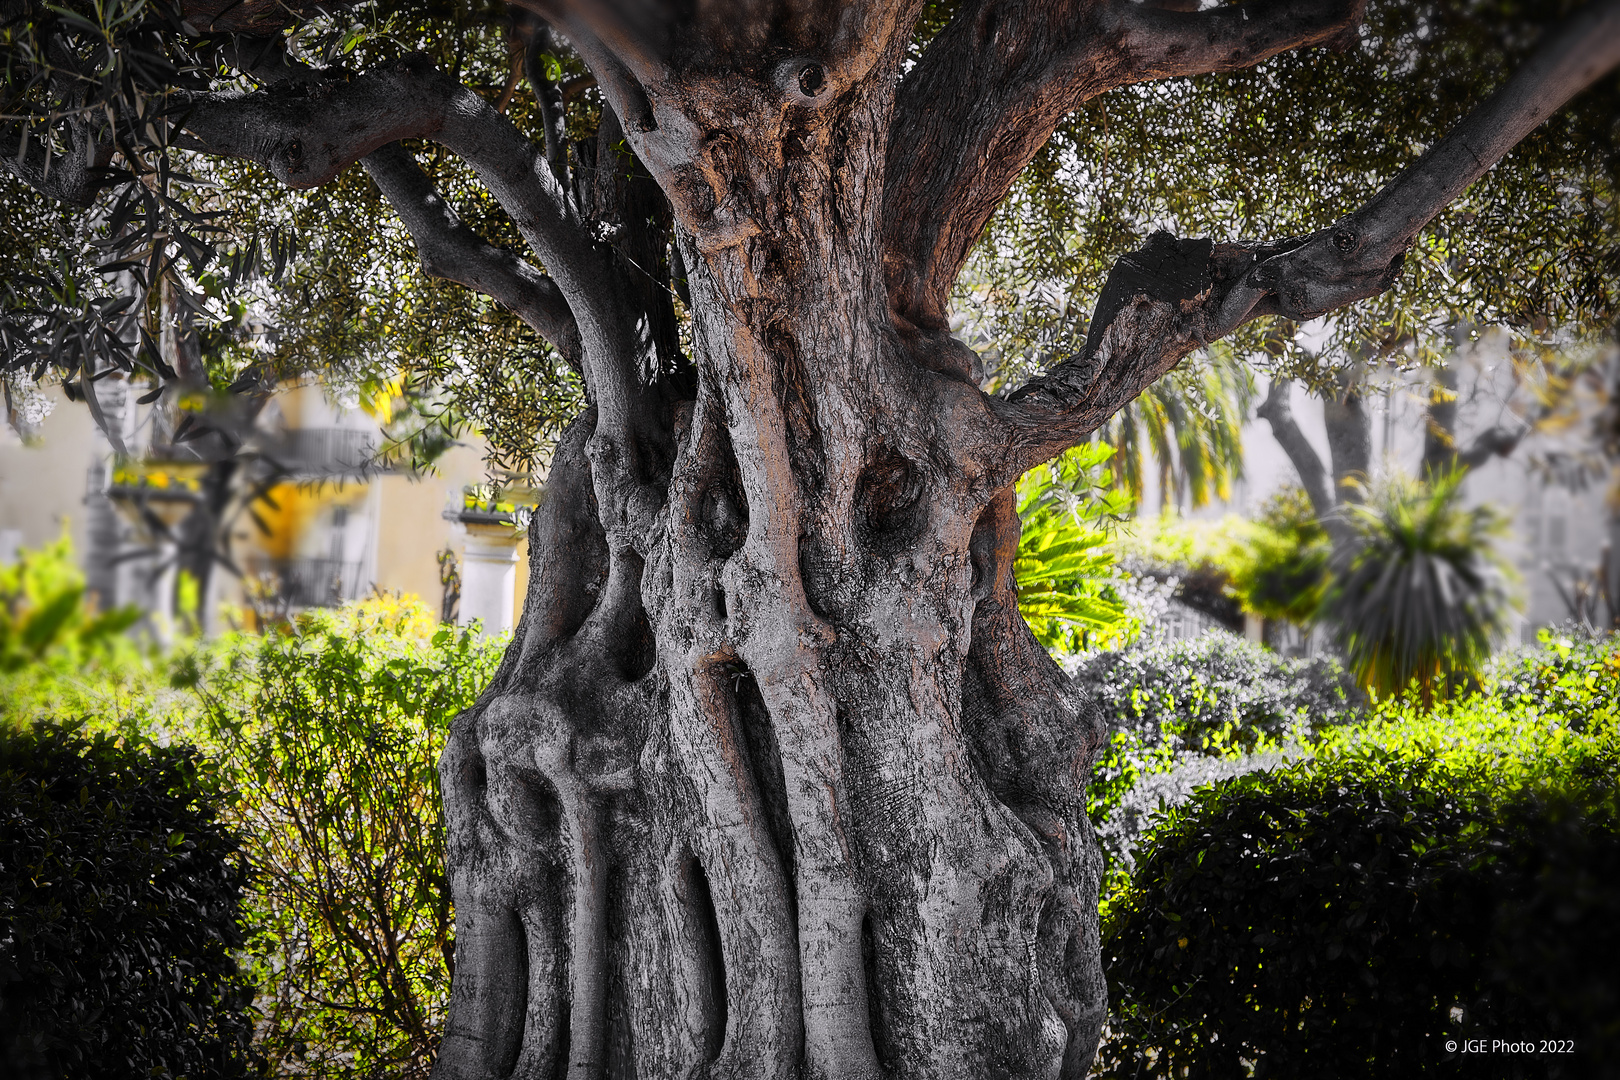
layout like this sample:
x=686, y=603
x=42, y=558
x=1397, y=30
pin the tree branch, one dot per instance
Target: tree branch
x=75, y=177
x=1361, y=254
x=995, y=83
x=535, y=37
x=1174, y=296
x=305, y=134
x=1163, y=43
x=648, y=39
x=1276, y=412
x=638, y=33
x=251, y=16
x=1497, y=441
x=450, y=250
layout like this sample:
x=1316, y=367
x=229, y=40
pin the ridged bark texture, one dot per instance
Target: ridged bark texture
x=775, y=781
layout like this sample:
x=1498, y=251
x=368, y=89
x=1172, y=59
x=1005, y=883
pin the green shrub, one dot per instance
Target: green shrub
x=43, y=613
x=1572, y=674
x=1279, y=566
x=1198, y=710
x=58, y=656
x=1428, y=875
x=119, y=900
x=332, y=733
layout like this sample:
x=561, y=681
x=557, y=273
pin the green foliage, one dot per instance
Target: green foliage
x=1177, y=546
x=43, y=614
x=1185, y=706
x=1291, y=145
x=1421, y=595
x=1281, y=567
x=1429, y=875
x=120, y=896
x=1544, y=708
x=331, y=733
x=279, y=284
x=1064, y=573
x=58, y=658
x=355, y=306
x=356, y=309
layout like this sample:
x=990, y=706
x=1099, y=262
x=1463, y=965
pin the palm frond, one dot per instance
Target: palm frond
x=1421, y=596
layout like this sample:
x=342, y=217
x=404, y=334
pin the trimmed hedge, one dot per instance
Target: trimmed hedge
x=1349, y=920
x=119, y=900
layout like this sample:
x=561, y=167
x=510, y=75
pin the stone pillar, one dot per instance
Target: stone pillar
x=489, y=570
x=1254, y=628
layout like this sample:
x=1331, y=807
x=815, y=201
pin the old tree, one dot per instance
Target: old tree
x=773, y=781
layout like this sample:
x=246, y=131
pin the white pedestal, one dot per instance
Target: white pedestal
x=489, y=575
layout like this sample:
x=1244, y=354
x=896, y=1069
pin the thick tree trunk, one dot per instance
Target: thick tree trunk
x=775, y=781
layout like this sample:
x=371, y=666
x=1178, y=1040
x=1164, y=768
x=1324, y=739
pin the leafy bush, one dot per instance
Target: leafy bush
x=56, y=652
x=1568, y=674
x=43, y=610
x=1428, y=875
x=1325, y=923
x=1279, y=566
x=1190, y=712
x=1065, y=573
x=332, y=733
x=119, y=899
x=1421, y=596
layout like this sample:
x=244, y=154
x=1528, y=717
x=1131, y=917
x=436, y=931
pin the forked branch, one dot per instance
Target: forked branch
x=1174, y=296
x=306, y=134
x=452, y=251
x=993, y=86
x=75, y=177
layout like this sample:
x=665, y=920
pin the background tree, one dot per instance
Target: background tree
x=773, y=779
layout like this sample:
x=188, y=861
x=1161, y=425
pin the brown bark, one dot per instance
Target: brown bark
x=773, y=780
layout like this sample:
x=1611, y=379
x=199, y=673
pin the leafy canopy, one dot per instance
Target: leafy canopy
x=1291, y=145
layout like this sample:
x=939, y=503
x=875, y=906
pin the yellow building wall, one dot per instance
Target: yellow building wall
x=412, y=528
x=42, y=487
x=520, y=588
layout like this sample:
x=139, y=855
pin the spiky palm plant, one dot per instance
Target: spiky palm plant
x=1063, y=569
x=1191, y=422
x=1421, y=596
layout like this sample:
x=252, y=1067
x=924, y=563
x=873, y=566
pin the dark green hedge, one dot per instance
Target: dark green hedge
x=1326, y=924
x=119, y=896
